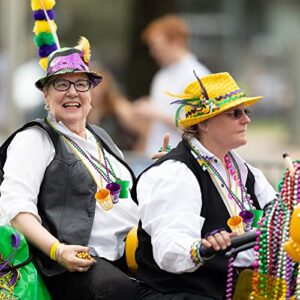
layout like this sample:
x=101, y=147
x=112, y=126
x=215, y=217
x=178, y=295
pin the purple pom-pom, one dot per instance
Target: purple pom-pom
x=45, y=50
x=40, y=14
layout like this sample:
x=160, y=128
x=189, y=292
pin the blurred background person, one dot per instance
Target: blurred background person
x=113, y=111
x=167, y=40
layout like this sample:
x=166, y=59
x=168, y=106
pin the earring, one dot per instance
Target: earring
x=46, y=107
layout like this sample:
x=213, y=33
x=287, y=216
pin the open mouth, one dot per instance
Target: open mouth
x=72, y=104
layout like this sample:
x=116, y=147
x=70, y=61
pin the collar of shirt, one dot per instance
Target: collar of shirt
x=65, y=130
x=215, y=161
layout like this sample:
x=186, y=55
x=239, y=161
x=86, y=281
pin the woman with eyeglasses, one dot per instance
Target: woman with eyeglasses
x=199, y=194
x=66, y=188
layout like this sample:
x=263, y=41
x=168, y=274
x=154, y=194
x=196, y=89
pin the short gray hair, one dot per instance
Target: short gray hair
x=192, y=132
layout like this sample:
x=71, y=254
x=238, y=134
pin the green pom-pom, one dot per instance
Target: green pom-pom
x=44, y=38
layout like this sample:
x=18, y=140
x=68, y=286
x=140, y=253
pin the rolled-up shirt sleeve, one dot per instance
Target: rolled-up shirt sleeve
x=28, y=156
x=169, y=199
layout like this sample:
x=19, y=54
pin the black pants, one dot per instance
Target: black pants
x=103, y=281
x=145, y=292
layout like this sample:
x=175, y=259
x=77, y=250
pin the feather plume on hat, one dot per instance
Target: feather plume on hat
x=45, y=29
x=84, y=47
x=54, y=59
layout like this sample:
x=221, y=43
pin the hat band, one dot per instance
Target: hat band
x=239, y=91
x=212, y=105
x=201, y=107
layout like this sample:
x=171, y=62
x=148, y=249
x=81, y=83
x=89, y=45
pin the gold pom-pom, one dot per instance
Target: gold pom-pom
x=44, y=26
x=44, y=63
x=42, y=4
x=84, y=46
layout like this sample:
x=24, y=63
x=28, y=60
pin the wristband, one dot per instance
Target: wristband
x=53, y=250
x=195, y=254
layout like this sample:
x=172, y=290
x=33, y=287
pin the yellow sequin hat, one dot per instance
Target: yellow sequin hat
x=208, y=97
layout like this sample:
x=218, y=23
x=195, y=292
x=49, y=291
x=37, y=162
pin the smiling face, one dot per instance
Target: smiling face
x=70, y=106
x=226, y=131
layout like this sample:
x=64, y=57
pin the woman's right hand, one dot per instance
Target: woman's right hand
x=164, y=149
x=68, y=257
x=218, y=241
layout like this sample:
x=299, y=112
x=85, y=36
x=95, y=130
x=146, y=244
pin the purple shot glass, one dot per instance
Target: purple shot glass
x=247, y=217
x=114, y=189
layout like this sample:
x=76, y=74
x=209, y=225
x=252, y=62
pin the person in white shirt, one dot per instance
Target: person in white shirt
x=167, y=40
x=189, y=197
x=66, y=187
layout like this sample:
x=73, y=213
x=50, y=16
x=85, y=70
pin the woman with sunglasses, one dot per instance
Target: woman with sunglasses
x=196, y=194
x=66, y=187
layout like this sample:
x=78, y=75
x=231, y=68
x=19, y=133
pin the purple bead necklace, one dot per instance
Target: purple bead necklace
x=276, y=276
x=206, y=164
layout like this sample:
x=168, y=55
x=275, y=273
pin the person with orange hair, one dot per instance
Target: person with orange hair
x=167, y=40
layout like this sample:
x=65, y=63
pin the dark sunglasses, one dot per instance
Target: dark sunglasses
x=237, y=113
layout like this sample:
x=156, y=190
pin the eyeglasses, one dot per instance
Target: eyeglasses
x=62, y=85
x=237, y=113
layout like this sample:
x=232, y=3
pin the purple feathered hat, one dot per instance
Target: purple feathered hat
x=70, y=60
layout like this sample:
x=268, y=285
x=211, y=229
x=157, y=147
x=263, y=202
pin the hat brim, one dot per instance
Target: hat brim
x=94, y=76
x=247, y=101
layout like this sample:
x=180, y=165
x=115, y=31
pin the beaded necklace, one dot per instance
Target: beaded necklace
x=103, y=174
x=81, y=155
x=103, y=195
x=214, y=179
x=276, y=276
x=207, y=165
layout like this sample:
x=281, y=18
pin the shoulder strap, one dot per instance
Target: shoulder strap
x=110, y=146
x=38, y=122
x=250, y=188
x=106, y=139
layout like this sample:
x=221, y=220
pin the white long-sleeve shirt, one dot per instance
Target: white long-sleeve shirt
x=170, y=203
x=28, y=156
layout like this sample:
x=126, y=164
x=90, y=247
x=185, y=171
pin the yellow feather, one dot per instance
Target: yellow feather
x=84, y=46
x=182, y=96
x=41, y=4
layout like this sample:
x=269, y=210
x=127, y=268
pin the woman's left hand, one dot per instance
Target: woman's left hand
x=69, y=257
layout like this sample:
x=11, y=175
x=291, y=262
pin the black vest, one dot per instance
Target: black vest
x=66, y=202
x=209, y=279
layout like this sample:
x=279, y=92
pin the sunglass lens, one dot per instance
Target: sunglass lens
x=237, y=113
